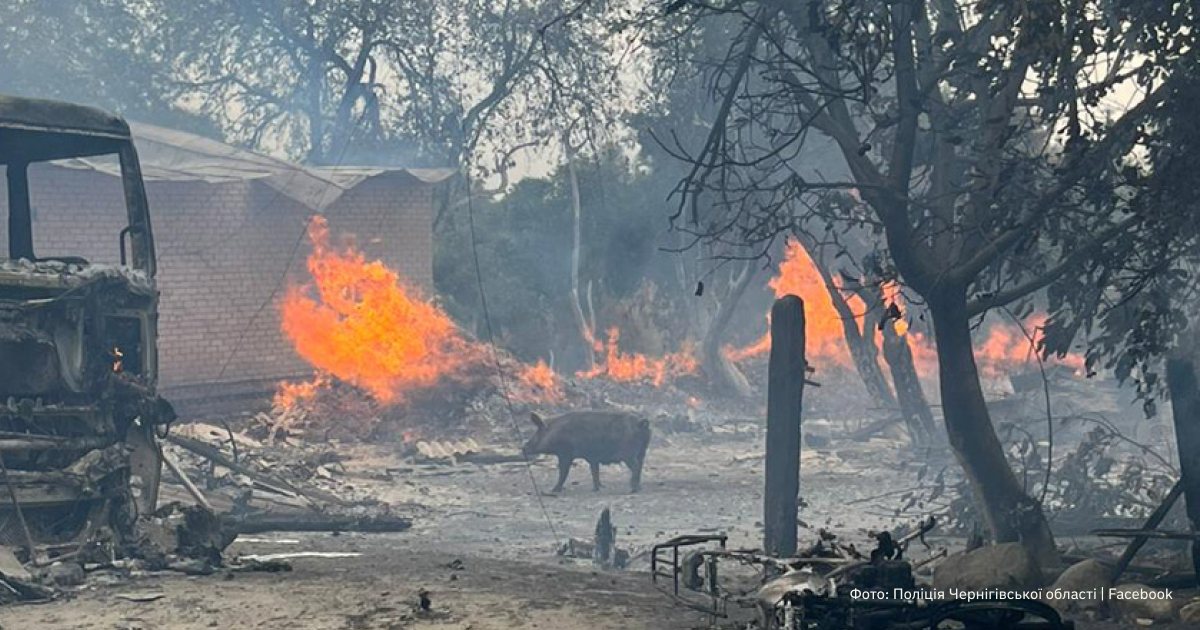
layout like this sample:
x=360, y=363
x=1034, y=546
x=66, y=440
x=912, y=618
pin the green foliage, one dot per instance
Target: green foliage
x=103, y=53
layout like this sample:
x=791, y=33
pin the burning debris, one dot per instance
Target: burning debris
x=384, y=356
x=539, y=383
x=362, y=323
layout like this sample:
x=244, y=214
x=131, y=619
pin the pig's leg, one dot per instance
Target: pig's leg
x=635, y=470
x=595, y=475
x=564, y=469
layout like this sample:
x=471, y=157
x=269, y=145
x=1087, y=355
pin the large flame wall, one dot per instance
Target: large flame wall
x=362, y=323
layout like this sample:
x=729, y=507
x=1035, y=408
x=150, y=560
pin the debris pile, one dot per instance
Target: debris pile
x=221, y=484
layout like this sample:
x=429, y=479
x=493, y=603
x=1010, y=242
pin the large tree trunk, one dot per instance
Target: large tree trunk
x=1011, y=515
x=913, y=405
x=918, y=417
x=860, y=342
x=726, y=379
x=864, y=352
x=1185, y=407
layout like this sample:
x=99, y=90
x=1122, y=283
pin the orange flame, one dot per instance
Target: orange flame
x=364, y=324
x=289, y=395
x=540, y=383
x=628, y=367
x=825, y=337
x=1005, y=348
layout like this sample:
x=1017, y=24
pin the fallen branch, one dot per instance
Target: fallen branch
x=316, y=522
x=215, y=455
x=872, y=429
x=1152, y=523
x=173, y=465
x=49, y=443
x=1143, y=534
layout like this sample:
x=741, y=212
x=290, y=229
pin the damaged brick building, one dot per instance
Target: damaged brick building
x=229, y=227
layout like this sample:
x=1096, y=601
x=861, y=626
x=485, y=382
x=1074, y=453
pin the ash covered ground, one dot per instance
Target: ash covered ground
x=488, y=551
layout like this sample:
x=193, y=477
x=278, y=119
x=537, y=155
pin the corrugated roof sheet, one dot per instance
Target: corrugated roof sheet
x=177, y=156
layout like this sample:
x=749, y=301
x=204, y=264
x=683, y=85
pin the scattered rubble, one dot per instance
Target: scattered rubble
x=601, y=550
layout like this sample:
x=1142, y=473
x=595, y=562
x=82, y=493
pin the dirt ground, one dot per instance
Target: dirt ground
x=483, y=545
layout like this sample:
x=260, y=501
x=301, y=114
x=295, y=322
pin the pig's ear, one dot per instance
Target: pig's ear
x=537, y=421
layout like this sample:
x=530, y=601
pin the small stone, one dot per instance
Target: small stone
x=65, y=574
x=1087, y=577
x=1006, y=565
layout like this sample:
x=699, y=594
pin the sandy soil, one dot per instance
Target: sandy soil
x=483, y=546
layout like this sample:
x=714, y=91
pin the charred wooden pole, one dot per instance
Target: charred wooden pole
x=785, y=394
x=1152, y=523
x=606, y=539
x=1185, y=407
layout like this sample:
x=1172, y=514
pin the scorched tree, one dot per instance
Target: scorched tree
x=986, y=140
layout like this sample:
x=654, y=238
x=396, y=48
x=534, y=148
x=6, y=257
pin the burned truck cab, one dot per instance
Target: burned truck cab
x=78, y=354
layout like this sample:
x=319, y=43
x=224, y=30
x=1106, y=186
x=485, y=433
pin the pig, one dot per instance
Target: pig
x=600, y=437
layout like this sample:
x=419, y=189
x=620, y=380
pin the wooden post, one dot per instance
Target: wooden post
x=785, y=393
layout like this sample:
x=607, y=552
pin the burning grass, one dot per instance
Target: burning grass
x=628, y=367
x=1004, y=349
x=539, y=383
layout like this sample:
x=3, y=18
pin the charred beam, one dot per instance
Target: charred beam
x=317, y=522
x=53, y=443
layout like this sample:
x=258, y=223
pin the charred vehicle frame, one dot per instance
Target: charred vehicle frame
x=78, y=348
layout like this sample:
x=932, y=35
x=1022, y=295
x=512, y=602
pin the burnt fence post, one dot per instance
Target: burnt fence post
x=785, y=394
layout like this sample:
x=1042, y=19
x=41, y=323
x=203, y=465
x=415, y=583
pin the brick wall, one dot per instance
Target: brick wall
x=223, y=252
